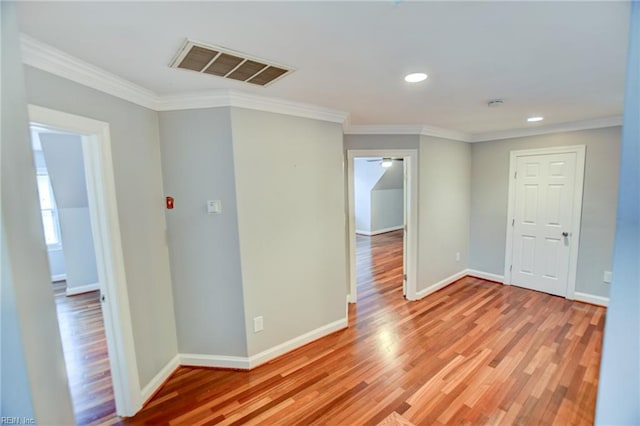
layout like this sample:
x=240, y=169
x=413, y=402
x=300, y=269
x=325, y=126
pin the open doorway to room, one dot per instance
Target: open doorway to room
x=66, y=222
x=80, y=223
x=382, y=222
x=378, y=186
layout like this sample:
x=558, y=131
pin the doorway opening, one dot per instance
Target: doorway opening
x=66, y=223
x=80, y=220
x=382, y=193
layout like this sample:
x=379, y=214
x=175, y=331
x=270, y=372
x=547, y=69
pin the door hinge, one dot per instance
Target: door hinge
x=515, y=175
x=404, y=277
x=510, y=268
x=513, y=222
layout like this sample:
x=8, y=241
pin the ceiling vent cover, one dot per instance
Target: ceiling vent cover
x=226, y=63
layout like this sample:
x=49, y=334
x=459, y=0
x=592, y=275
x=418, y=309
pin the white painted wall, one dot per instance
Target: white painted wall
x=33, y=380
x=291, y=218
x=197, y=166
x=138, y=185
x=64, y=161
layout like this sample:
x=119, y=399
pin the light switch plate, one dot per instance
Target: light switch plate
x=258, y=324
x=607, y=277
x=214, y=206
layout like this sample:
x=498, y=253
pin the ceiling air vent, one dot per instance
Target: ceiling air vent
x=226, y=63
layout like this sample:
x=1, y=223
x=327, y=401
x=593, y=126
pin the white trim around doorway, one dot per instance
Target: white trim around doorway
x=103, y=209
x=580, y=151
x=410, y=157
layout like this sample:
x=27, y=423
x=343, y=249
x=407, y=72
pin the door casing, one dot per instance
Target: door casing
x=580, y=151
x=105, y=226
x=410, y=252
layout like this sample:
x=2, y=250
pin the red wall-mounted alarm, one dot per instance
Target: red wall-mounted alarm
x=170, y=203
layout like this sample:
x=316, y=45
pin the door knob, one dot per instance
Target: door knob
x=565, y=234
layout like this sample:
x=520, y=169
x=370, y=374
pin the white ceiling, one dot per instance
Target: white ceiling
x=562, y=60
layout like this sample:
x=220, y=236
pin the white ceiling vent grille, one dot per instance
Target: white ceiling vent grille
x=226, y=63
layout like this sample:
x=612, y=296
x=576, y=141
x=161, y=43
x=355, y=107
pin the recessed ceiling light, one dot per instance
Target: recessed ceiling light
x=534, y=119
x=415, y=77
x=386, y=162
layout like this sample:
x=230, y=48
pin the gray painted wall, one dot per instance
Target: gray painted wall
x=365, y=176
x=443, y=209
x=135, y=147
x=489, y=197
x=65, y=164
x=387, y=199
x=197, y=166
x=381, y=142
x=63, y=158
x=33, y=380
x=290, y=193
x=619, y=381
x=387, y=209
x=443, y=200
x=393, y=177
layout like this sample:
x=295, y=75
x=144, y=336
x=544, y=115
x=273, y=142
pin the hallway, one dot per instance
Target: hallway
x=475, y=352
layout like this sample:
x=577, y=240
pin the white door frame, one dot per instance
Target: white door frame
x=105, y=226
x=580, y=151
x=410, y=157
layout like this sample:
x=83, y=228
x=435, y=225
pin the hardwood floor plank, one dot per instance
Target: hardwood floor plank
x=475, y=352
x=86, y=357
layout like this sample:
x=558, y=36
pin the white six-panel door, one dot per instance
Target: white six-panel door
x=544, y=210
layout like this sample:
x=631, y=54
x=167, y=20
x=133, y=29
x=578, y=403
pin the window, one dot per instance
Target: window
x=48, y=211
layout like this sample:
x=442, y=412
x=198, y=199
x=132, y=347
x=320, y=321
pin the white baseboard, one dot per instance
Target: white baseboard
x=59, y=277
x=346, y=313
x=219, y=361
x=485, y=275
x=72, y=291
x=591, y=298
x=247, y=363
x=297, y=342
x=155, y=383
x=440, y=284
x=379, y=231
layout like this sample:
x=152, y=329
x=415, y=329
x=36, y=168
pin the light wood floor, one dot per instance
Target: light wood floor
x=475, y=352
x=85, y=352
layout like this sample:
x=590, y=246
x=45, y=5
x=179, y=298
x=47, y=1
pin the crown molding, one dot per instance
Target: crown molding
x=572, y=126
x=439, y=132
x=282, y=106
x=47, y=58
x=232, y=98
x=210, y=99
x=382, y=129
x=393, y=129
x=54, y=61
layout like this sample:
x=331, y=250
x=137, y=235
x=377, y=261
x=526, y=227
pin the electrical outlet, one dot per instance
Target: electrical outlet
x=458, y=257
x=258, y=324
x=607, y=277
